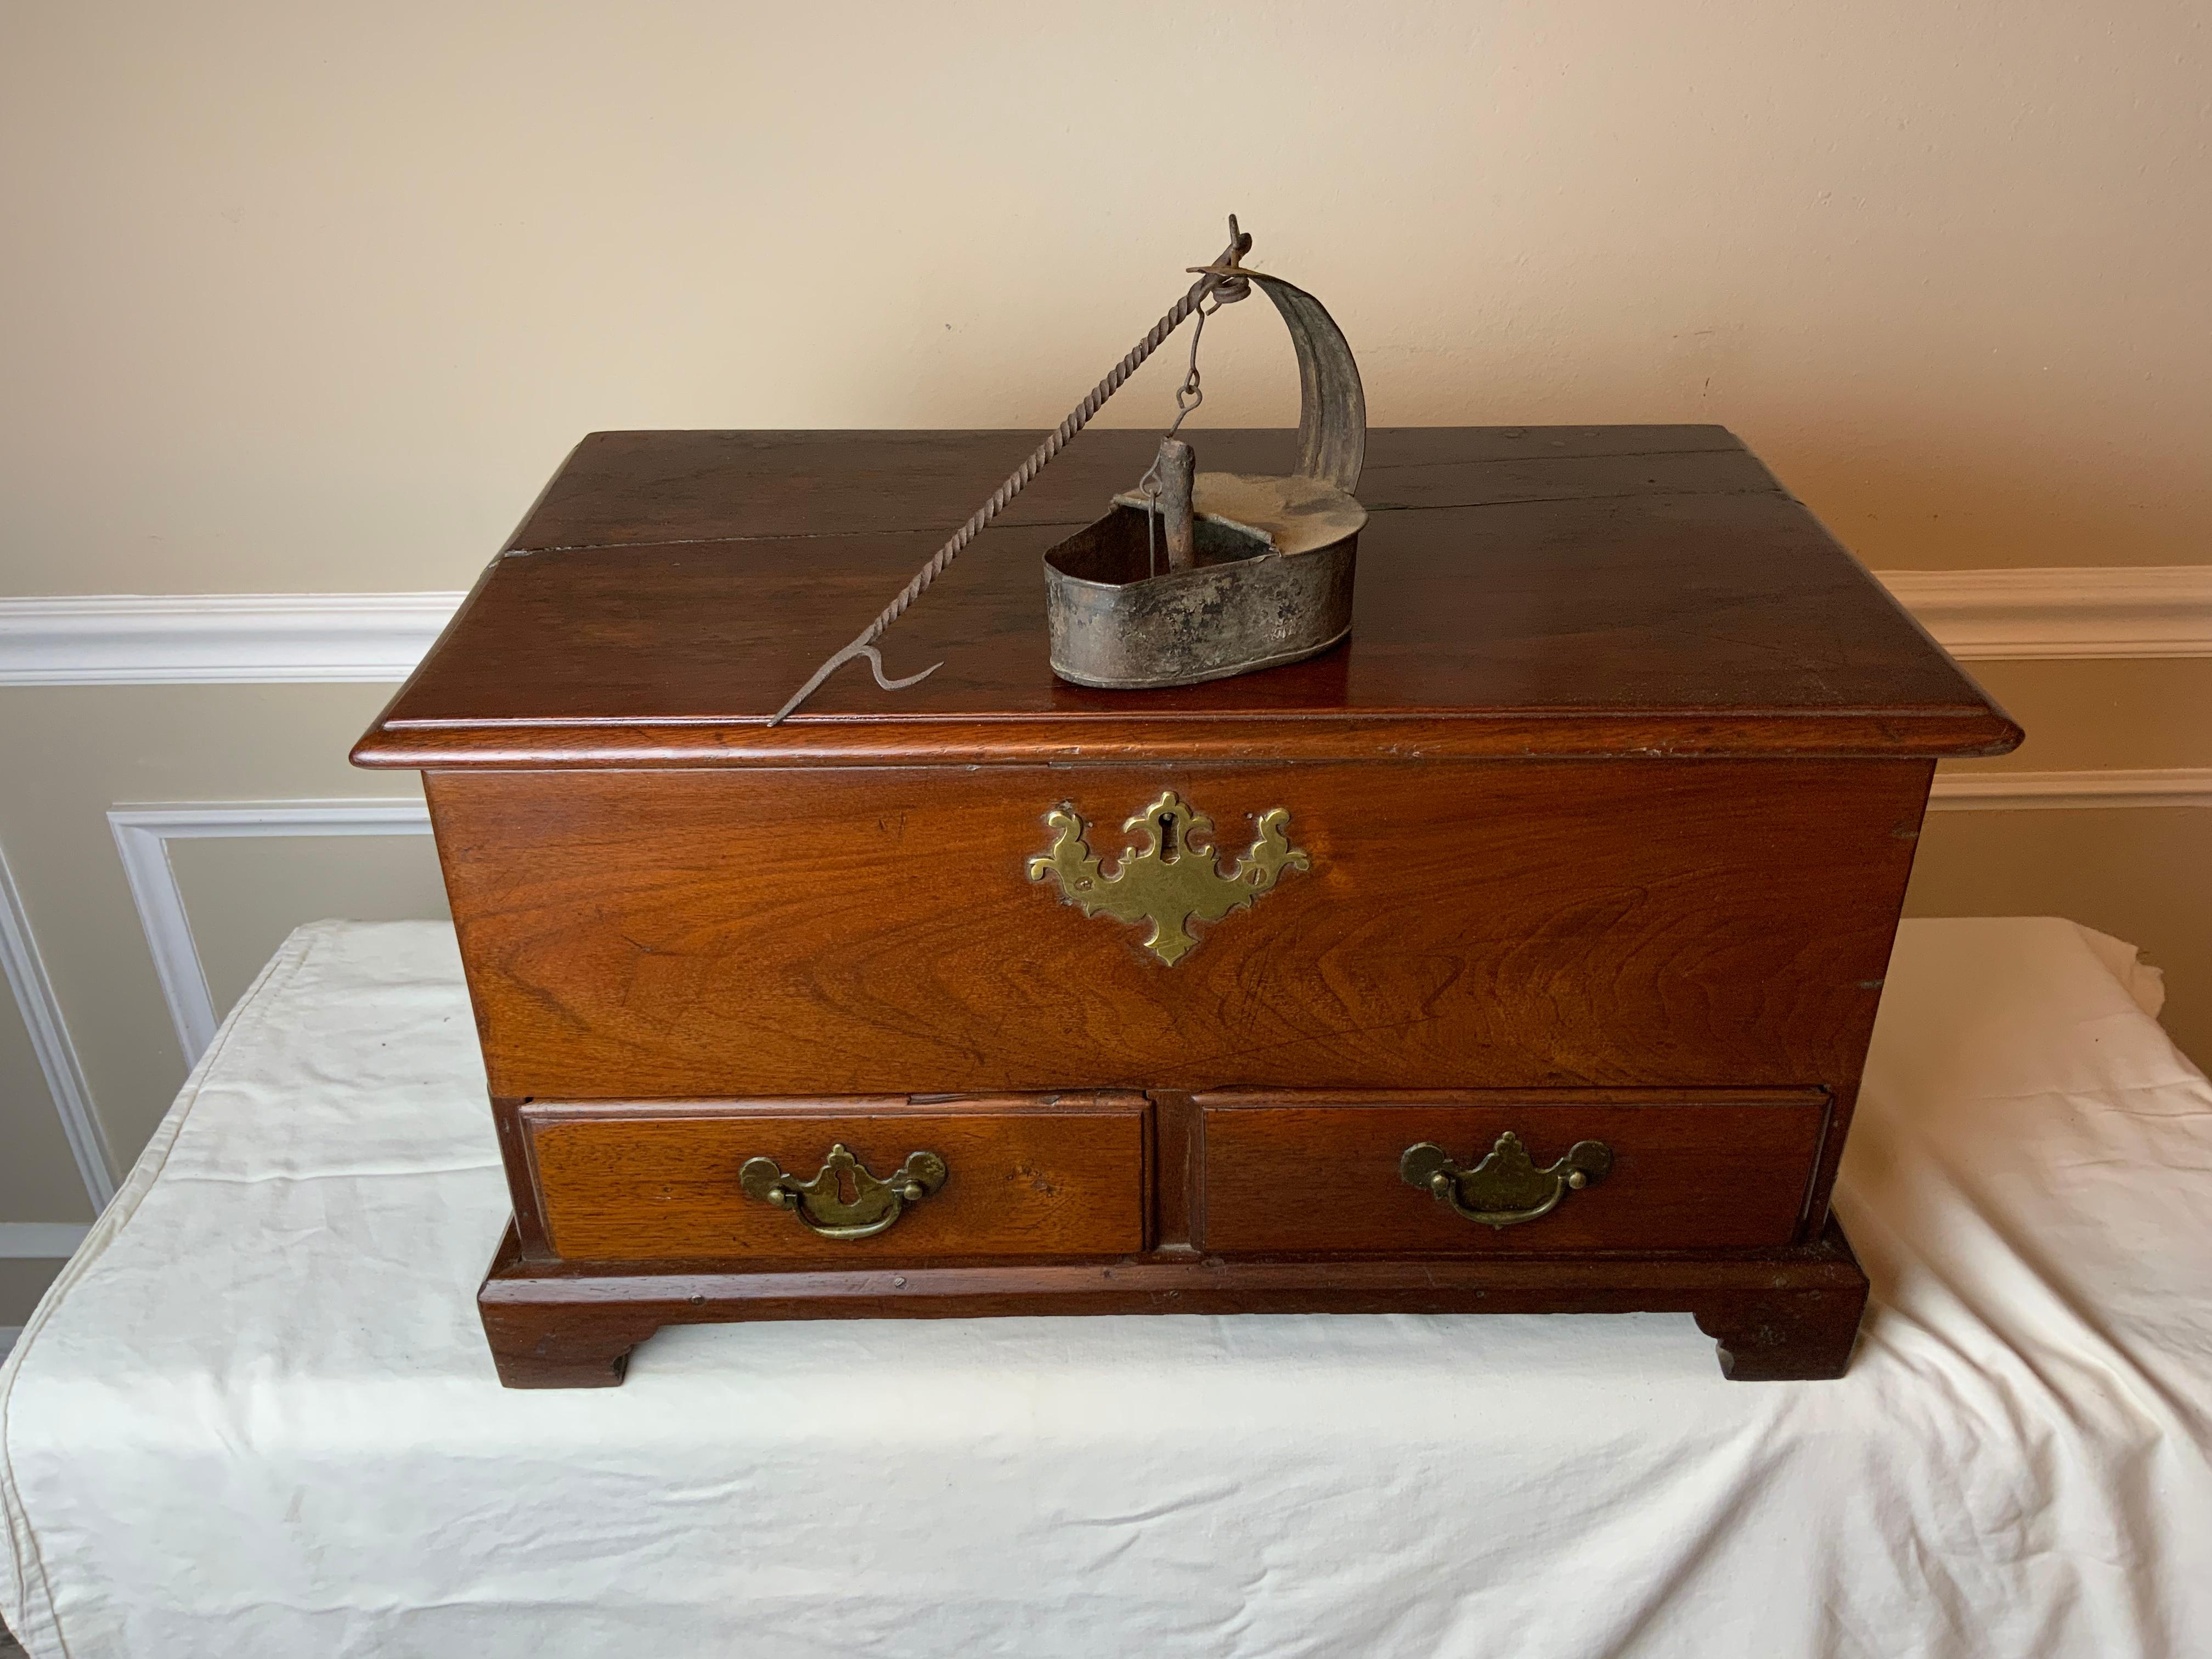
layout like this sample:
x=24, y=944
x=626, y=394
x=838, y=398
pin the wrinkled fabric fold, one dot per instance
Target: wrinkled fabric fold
x=256, y=1416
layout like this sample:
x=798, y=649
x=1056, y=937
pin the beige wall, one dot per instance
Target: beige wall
x=2128, y=714
x=310, y=298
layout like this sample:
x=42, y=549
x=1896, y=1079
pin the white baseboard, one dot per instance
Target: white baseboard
x=142, y=835
x=2084, y=610
x=40, y=1241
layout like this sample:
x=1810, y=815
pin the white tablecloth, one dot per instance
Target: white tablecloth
x=256, y=1416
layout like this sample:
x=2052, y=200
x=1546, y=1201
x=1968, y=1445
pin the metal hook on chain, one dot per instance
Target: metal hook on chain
x=1188, y=396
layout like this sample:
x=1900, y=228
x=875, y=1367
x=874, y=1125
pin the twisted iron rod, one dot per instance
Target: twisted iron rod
x=1222, y=276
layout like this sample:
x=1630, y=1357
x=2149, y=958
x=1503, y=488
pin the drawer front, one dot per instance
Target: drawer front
x=690, y=935
x=1291, y=1175
x=1010, y=1177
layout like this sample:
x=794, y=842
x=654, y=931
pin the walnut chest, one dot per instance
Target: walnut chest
x=1518, y=955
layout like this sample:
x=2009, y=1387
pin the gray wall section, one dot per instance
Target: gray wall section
x=22, y=1284
x=244, y=895
x=2141, y=874
x=72, y=752
x=2137, y=874
x=38, y=1180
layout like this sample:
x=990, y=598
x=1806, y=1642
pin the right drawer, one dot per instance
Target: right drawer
x=1469, y=1174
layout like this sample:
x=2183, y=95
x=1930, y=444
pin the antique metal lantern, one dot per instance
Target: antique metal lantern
x=1199, y=575
x=1193, y=575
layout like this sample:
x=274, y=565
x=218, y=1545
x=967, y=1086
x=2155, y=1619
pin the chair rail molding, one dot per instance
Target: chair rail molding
x=142, y=835
x=2063, y=612
x=183, y=639
x=218, y=639
x=2000, y=791
x=51, y=1044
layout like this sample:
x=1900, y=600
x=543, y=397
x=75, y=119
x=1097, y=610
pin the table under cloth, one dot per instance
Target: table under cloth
x=256, y=1415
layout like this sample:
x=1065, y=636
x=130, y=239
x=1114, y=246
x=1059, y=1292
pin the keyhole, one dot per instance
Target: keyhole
x=1167, y=848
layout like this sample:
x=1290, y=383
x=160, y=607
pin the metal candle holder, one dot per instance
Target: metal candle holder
x=1258, y=566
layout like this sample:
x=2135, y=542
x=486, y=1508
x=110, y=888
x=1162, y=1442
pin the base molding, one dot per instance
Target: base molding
x=1790, y=1315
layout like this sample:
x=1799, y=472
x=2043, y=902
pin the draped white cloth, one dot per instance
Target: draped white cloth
x=256, y=1416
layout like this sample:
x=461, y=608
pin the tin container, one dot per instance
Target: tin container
x=1264, y=567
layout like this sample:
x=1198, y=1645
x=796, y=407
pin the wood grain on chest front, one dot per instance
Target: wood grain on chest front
x=638, y=935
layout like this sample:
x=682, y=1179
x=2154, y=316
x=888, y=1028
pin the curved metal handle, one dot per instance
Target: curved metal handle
x=821, y=1203
x=1506, y=1188
x=1331, y=407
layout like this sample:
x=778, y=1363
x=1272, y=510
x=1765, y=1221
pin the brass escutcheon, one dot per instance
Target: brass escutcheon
x=1506, y=1188
x=821, y=1203
x=1173, y=879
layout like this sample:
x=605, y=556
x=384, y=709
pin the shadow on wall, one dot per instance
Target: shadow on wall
x=2137, y=873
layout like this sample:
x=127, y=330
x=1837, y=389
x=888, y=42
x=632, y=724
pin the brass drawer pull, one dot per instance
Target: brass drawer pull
x=821, y=1203
x=1506, y=1186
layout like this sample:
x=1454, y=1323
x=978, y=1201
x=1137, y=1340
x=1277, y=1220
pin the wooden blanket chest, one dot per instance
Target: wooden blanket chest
x=1519, y=954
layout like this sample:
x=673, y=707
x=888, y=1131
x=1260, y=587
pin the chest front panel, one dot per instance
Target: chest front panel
x=750, y=934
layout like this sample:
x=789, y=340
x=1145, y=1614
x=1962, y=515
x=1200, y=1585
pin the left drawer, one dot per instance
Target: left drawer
x=840, y=1181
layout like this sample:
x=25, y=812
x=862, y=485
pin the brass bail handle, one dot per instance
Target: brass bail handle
x=1506, y=1188
x=820, y=1204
